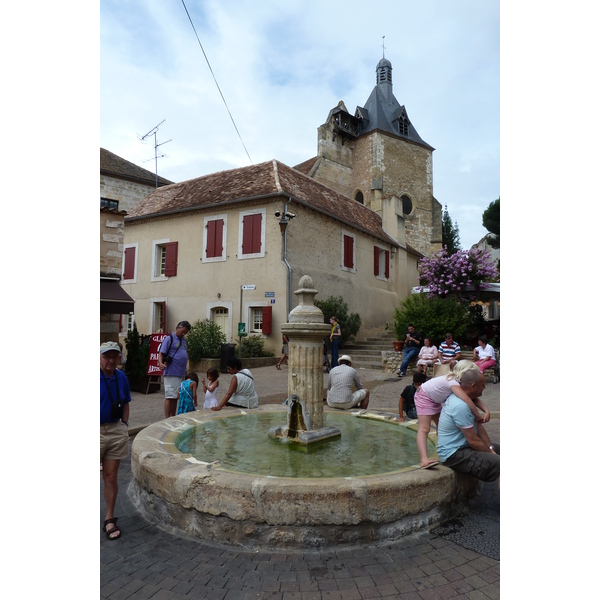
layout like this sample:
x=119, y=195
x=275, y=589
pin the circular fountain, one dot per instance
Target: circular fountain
x=238, y=477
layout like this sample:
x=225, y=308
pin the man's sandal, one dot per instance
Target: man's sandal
x=115, y=529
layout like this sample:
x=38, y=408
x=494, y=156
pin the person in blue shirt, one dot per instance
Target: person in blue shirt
x=114, y=435
x=462, y=443
x=172, y=361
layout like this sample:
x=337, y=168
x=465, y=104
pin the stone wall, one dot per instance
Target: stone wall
x=111, y=242
x=127, y=193
x=381, y=165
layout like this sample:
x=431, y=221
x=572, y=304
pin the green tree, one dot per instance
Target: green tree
x=432, y=317
x=204, y=340
x=137, y=353
x=349, y=323
x=450, y=235
x=491, y=221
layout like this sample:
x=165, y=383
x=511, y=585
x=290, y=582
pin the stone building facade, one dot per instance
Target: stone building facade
x=122, y=185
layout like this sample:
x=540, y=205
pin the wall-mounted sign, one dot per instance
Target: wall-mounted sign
x=269, y=294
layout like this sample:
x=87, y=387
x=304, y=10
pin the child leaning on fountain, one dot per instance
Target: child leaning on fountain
x=430, y=397
x=187, y=400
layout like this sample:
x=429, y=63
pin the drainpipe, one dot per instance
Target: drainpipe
x=289, y=268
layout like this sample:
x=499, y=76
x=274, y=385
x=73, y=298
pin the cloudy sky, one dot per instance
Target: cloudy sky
x=281, y=66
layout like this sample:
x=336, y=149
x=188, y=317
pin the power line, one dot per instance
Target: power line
x=211, y=71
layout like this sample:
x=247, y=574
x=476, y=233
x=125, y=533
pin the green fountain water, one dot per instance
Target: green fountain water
x=241, y=444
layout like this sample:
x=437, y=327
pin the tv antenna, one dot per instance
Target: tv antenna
x=153, y=131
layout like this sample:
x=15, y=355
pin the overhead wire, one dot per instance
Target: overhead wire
x=216, y=83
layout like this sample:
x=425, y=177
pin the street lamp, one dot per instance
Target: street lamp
x=283, y=223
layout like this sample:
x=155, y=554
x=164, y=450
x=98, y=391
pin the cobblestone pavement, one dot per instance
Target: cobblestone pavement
x=458, y=560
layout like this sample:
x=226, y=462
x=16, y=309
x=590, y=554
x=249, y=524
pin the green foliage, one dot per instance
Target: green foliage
x=491, y=221
x=334, y=306
x=254, y=346
x=137, y=354
x=450, y=235
x=432, y=317
x=204, y=340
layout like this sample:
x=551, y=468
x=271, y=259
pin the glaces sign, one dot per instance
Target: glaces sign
x=155, y=342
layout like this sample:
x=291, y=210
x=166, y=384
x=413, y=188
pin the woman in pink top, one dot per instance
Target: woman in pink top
x=427, y=355
x=430, y=397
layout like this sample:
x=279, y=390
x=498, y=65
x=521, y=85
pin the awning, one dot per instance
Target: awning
x=114, y=299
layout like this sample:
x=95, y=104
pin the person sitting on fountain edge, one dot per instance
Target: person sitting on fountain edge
x=241, y=392
x=462, y=443
x=341, y=381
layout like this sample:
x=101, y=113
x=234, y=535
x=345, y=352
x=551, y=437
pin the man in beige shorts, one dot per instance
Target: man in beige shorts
x=342, y=380
x=114, y=435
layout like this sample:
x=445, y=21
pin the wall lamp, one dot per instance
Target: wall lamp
x=285, y=219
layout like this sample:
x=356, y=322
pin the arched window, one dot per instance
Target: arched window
x=407, y=205
x=359, y=197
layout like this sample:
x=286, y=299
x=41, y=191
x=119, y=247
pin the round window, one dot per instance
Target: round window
x=407, y=205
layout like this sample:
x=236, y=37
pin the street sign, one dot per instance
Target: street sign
x=241, y=328
x=269, y=294
x=248, y=287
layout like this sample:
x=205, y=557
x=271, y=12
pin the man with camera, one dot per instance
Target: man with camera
x=172, y=361
x=114, y=436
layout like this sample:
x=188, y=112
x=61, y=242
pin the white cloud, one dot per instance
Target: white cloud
x=281, y=66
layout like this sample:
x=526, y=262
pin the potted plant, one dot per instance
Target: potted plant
x=398, y=345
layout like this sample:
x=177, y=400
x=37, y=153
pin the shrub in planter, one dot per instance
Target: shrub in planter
x=254, y=346
x=204, y=340
x=137, y=354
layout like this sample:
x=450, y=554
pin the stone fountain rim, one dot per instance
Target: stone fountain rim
x=230, y=507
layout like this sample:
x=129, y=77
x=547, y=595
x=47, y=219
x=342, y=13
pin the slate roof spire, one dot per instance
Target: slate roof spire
x=382, y=111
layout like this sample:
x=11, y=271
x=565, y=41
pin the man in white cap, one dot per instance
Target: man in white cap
x=114, y=435
x=342, y=380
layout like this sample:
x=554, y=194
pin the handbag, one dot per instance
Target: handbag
x=169, y=359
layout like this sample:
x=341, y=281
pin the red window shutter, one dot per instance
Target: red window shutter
x=348, y=252
x=251, y=241
x=129, y=260
x=387, y=264
x=267, y=319
x=171, y=259
x=214, y=240
x=376, y=261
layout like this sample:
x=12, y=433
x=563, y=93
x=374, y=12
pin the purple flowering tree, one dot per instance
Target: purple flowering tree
x=448, y=275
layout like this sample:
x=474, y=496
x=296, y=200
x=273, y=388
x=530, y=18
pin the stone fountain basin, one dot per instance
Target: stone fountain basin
x=186, y=496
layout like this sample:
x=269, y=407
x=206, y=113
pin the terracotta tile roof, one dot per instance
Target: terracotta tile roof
x=307, y=165
x=111, y=164
x=268, y=179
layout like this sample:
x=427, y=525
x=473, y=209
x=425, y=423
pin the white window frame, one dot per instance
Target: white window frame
x=344, y=267
x=135, y=267
x=156, y=256
x=223, y=257
x=154, y=301
x=248, y=310
x=263, y=224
